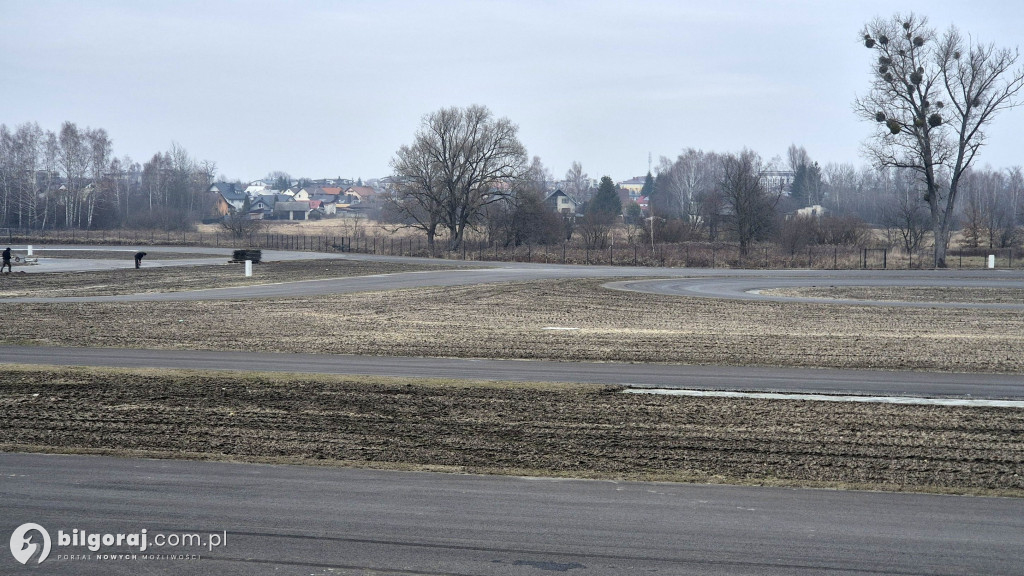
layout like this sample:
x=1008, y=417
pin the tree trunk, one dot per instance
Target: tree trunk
x=941, y=231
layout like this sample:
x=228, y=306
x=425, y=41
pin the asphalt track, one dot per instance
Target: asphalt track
x=793, y=380
x=690, y=282
x=296, y=520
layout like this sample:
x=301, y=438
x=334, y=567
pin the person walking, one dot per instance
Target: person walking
x=6, y=261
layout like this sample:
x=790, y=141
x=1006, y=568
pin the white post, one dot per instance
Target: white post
x=248, y=268
x=991, y=260
x=29, y=249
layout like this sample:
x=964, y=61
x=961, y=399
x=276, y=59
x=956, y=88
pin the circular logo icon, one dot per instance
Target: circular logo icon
x=22, y=546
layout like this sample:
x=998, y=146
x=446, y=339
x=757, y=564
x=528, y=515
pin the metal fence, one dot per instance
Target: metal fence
x=685, y=254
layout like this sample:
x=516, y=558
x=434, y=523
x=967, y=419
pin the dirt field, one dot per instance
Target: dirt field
x=561, y=430
x=172, y=279
x=913, y=294
x=509, y=321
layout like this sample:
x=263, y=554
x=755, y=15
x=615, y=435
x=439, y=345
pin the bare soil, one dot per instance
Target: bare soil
x=908, y=293
x=178, y=278
x=561, y=430
x=509, y=321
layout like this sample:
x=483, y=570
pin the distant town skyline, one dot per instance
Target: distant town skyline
x=324, y=89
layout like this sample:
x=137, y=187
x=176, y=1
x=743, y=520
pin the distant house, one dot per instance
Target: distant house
x=561, y=202
x=230, y=198
x=253, y=189
x=328, y=204
x=633, y=189
x=361, y=194
x=291, y=210
x=633, y=185
x=778, y=181
x=815, y=211
x=263, y=206
x=308, y=192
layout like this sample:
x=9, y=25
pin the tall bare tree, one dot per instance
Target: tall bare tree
x=99, y=151
x=417, y=200
x=577, y=184
x=472, y=160
x=752, y=207
x=932, y=98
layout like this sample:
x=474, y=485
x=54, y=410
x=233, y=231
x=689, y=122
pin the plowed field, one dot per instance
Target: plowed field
x=581, y=431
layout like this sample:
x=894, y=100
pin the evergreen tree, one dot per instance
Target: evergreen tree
x=649, y=188
x=607, y=200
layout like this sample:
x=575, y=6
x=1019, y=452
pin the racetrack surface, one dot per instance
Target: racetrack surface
x=703, y=282
x=828, y=381
x=299, y=520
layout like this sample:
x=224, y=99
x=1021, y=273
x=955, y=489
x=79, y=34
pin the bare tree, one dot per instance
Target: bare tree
x=840, y=186
x=906, y=219
x=239, y=224
x=797, y=157
x=1015, y=187
x=470, y=160
x=932, y=98
x=752, y=208
x=73, y=159
x=521, y=217
x=20, y=157
x=99, y=150
x=577, y=184
x=417, y=200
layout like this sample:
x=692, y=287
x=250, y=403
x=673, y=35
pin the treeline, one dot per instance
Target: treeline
x=72, y=179
x=694, y=197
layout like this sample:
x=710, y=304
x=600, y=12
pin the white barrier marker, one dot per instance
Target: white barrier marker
x=248, y=268
x=29, y=249
x=991, y=260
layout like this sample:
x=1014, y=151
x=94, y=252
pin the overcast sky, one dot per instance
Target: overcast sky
x=333, y=88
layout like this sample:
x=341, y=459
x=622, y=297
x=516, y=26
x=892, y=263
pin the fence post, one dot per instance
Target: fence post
x=885, y=258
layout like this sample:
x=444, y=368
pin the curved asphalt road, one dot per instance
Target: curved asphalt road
x=691, y=282
x=297, y=520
